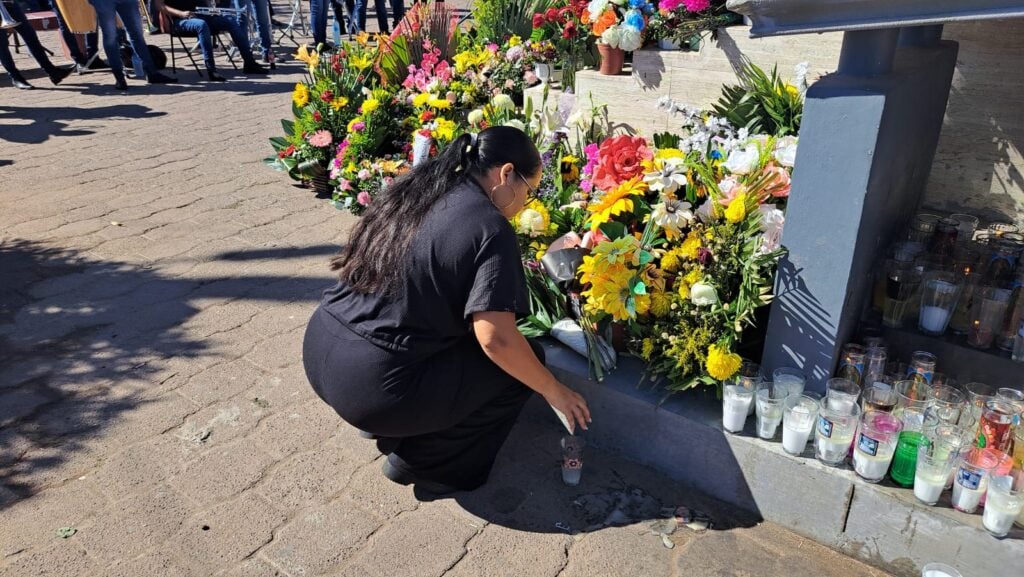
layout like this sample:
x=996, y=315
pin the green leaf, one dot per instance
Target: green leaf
x=640, y=288
x=645, y=257
x=613, y=230
x=288, y=126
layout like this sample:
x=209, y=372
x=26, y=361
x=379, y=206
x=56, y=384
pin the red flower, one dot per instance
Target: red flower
x=552, y=15
x=287, y=152
x=317, y=116
x=619, y=160
x=327, y=96
x=427, y=116
x=538, y=20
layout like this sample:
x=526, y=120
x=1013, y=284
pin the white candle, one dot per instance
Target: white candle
x=793, y=385
x=938, y=573
x=966, y=500
x=928, y=488
x=870, y=468
x=794, y=439
x=934, y=319
x=834, y=450
x=998, y=519
x=734, y=415
x=767, y=425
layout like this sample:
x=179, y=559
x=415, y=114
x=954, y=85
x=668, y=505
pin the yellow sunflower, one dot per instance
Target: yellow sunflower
x=300, y=96
x=339, y=103
x=615, y=202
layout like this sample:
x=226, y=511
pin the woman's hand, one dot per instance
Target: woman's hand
x=571, y=404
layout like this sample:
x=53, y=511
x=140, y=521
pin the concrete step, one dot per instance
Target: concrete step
x=882, y=525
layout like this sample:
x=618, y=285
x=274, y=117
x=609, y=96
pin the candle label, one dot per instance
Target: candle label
x=968, y=479
x=920, y=375
x=867, y=445
x=825, y=427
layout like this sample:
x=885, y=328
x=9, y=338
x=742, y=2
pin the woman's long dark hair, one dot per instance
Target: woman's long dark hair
x=373, y=259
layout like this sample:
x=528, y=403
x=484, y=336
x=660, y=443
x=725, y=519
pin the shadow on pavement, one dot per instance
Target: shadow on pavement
x=46, y=122
x=525, y=491
x=274, y=253
x=83, y=342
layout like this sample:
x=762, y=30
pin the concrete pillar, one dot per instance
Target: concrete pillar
x=920, y=36
x=867, y=142
x=868, y=52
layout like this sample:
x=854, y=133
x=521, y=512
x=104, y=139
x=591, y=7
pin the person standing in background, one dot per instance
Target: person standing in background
x=107, y=13
x=92, y=45
x=35, y=48
x=380, y=6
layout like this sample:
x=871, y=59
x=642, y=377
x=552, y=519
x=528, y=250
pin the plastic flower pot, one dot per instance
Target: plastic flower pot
x=612, y=59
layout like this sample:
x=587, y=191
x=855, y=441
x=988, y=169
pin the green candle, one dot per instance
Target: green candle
x=904, y=461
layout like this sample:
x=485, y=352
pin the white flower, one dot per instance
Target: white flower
x=503, y=102
x=516, y=124
x=785, y=151
x=742, y=134
x=703, y=294
x=632, y=39
x=727, y=185
x=772, y=222
x=581, y=119
x=531, y=223
x=672, y=215
x=612, y=36
x=743, y=161
x=596, y=7
x=668, y=180
x=475, y=117
x=664, y=102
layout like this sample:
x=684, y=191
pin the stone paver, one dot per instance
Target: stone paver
x=155, y=281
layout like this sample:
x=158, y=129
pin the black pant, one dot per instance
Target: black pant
x=28, y=34
x=451, y=412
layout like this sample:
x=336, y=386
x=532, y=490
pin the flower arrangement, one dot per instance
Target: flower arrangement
x=619, y=23
x=684, y=23
x=562, y=25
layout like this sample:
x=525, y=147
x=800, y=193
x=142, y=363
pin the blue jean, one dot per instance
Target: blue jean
x=261, y=8
x=203, y=27
x=107, y=12
x=28, y=34
x=91, y=39
x=318, y=17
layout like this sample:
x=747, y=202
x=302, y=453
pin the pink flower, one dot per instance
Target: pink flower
x=593, y=238
x=729, y=187
x=697, y=5
x=587, y=186
x=363, y=198
x=620, y=159
x=344, y=184
x=669, y=5
x=780, y=185
x=320, y=138
x=359, y=126
x=363, y=174
x=493, y=48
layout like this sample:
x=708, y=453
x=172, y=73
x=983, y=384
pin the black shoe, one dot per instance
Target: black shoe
x=98, y=64
x=20, y=83
x=214, y=77
x=397, y=475
x=59, y=74
x=159, y=78
x=253, y=68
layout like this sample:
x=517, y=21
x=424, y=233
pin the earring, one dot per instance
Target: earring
x=510, y=203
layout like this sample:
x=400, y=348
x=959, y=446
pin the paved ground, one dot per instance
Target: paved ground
x=155, y=280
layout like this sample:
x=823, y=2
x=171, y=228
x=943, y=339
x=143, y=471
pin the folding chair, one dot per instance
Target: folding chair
x=165, y=25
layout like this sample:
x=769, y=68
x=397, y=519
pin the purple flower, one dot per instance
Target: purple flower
x=703, y=255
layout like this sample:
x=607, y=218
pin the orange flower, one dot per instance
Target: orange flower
x=606, y=20
x=585, y=17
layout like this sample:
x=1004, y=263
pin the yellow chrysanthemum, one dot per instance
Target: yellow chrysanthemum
x=683, y=289
x=300, y=96
x=647, y=349
x=615, y=202
x=439, y=103
x=370, y=104
x=737, y=210
x=534, y=220
x=421, y=99
x=666, y=153
x=694, y=276
x=445, y=129
x=515, y=40
x=661, y=304
x=670, y=261
x=339, y=103
x=690, y=246
x=722, y=363
x=361, y=61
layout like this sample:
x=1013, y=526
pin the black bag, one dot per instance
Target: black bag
x=155, y=53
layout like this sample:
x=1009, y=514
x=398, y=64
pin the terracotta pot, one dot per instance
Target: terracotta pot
x=612, y=59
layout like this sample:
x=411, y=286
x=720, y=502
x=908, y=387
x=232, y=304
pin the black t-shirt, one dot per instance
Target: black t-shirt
x=183, y=5
x=464, y=259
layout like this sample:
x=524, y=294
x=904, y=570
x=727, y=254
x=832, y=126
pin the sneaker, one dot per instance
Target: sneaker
x=253, y=68
x=160, y=78
x=99, y=64
x=121, y=84
x=21, y=84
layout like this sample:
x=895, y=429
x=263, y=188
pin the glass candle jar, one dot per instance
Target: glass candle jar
x=987, y=316
x=996, y=425
x=901, y=286
x=736, y=399
x=960, y=322
x=940, y=293
x=972, y=476
x=966, y=224
x=834, y=433
x=875, y=445
x=851, y=364
x=922, y=367
x=874, y=365
x=943, y=239
x=841, y=393
x=769, y=409
x=789, y=379
x=799, y=416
